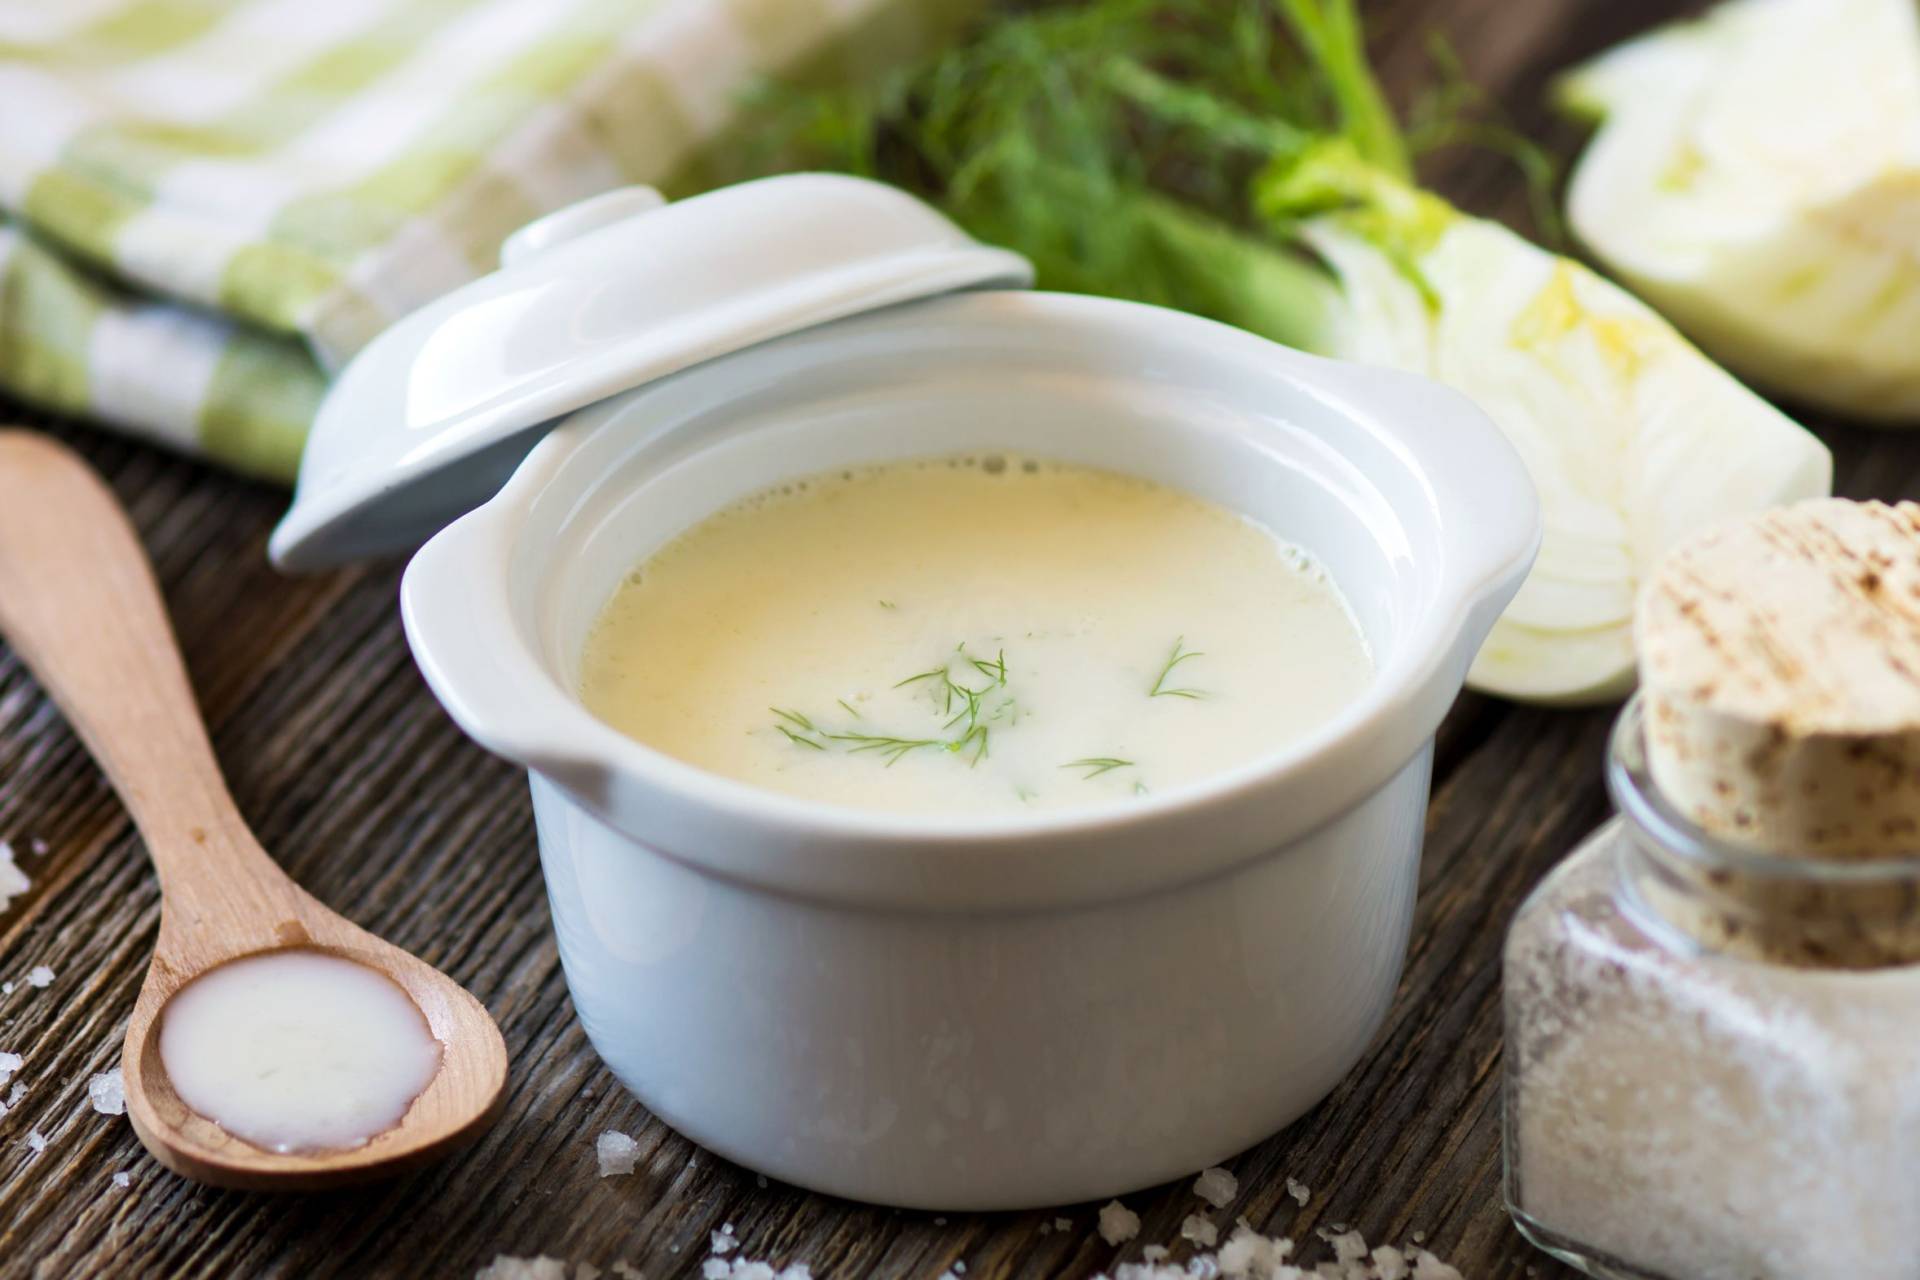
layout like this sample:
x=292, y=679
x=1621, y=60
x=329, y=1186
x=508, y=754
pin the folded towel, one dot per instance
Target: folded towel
x=213, y=205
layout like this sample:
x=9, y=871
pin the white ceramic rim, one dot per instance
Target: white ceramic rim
x=460, y=622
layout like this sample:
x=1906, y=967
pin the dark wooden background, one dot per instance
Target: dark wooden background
x=372, y=799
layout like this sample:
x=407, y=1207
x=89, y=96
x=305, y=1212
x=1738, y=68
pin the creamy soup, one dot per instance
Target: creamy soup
x=973, y=635
x=297, y=1050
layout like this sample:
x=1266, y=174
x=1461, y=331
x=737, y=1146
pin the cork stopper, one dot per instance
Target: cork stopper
x=1780, y=675
x=1780, y=663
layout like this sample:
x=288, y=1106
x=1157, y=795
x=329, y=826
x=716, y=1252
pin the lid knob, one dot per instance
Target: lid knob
x=576, y=220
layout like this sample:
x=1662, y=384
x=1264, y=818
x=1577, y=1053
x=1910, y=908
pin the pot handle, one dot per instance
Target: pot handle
x=460, y=624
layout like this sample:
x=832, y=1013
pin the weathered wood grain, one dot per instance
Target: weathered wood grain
x=349, y=771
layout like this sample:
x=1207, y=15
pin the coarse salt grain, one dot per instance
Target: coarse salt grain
x=616, y=1153
x=1217, y=1187
x=36, y=1141
x=1389, y=1263
x=1118, y=1224
x=504, y=1267
x=1197, y=1229
x=9, y=1063
x=40, y=977
x=1298, y=1190
x=1063, y=1224
x=752, y=1269
x=123, y=1179
x=108, y=1093
x=1348, y=1246
x=37, y=847
x=1428, y=1267
x=1155, y=1253
x=722, y=1241
x=13, y=881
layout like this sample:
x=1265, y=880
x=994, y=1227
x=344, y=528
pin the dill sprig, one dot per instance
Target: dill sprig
x=892, y=748
x=1179, y=655
x=1097, y=765
x=972, y=740
x=799, y=741
x=799, y=722
x=975, y=734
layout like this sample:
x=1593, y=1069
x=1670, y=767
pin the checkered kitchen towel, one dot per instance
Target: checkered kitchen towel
x=205, y=205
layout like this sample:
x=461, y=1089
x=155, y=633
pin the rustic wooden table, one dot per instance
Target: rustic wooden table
x=373, y=799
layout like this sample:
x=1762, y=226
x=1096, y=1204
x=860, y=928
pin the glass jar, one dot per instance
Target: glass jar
x=1713, y=1054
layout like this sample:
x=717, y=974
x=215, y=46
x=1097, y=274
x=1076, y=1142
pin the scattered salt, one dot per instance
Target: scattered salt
x=108, y=1093
x=1063, y=1224
x=616, y=1152
x=1298, y=1190
x=1118, y=1224
x=585, y=1271
x=1247, y=1252
x=13, y=881
x=959, y=1268
x=1217, y=1187
x=1249, y=1255
x=750, y=1269
x=722, y=1241
x=6, y=988
x=14, y=1094
x=1390, y=1263
x=123, y=1179
x=504, y=1267
x=1348, y=1246
x=1200, y=1231
x=1046, y=1228
x=36, y=1141
x=9, y=1063
x=627, y=1271
x=40, y=977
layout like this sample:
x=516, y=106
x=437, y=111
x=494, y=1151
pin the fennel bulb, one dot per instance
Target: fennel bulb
x=1633, y=438
x=1756, y=176
x=1238, y=161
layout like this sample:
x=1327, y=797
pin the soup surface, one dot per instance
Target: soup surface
x=971, y=635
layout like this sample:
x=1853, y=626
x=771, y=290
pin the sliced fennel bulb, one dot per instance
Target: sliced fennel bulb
x=1631, y=436
x=1756, y=176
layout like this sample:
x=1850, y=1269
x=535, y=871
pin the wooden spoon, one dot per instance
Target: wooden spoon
x=80, y=606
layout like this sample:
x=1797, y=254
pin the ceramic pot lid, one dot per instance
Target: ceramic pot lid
x=428, y=421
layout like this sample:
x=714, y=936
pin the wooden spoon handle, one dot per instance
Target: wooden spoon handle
x=79, y=604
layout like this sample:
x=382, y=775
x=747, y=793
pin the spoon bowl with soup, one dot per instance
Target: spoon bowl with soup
x=274, y=1045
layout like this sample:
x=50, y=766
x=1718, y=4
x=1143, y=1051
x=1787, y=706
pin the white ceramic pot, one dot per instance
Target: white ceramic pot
x=986, y=1012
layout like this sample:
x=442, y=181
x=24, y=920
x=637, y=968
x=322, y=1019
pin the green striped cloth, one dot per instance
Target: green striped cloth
x=206, y=205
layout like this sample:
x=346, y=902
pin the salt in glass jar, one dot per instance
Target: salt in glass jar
x=1713, y=1054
